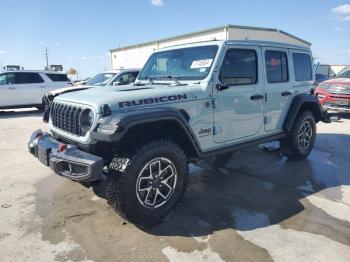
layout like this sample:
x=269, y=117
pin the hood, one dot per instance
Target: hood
x=129, y=97
x=336, y=86
x=337, y=81
x=66, y=90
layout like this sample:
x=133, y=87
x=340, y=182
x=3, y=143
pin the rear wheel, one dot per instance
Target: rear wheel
x=300, y=141
x=146, y=186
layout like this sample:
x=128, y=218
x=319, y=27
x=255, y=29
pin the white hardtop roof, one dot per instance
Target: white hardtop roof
x=237, y=42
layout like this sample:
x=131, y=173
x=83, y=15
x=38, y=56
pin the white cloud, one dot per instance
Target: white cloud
x=337, y=29
x=157, y=2
x=42, y=42
x=342, y=9
x=2, y=52
x=57, y=44
x=342, y=12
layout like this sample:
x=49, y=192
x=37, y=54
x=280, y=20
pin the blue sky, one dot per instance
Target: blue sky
x=79, y=33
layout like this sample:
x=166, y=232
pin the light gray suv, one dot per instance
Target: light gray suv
x=189, y=102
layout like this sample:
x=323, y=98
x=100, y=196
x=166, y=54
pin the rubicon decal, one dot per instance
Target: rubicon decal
x=152, y=100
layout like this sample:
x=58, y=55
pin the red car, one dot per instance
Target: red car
x=334, y=94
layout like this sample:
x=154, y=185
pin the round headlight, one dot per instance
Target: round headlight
x=87, y=119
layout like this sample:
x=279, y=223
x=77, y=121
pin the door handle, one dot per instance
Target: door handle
x=286, y=93
x=42, y=86
x=256, y=97
x=11, y=88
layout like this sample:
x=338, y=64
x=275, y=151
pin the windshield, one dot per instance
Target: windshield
x=344, y=74
x=191, y=63
x=100, y=79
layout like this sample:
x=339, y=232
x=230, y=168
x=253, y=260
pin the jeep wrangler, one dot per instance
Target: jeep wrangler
x=189, y=102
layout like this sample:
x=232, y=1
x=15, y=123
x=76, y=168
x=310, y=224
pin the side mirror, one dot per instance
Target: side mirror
x=116, y=83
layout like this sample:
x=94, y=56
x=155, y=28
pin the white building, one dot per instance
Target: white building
x=135, y=56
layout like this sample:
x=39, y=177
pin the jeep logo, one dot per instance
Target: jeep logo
x=204, y=132
x=153, y=100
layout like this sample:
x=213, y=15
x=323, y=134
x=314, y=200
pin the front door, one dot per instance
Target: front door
x=8, y=90
x=278, y=87
x=239, y=105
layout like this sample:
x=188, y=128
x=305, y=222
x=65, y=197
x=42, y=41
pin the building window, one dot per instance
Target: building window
x=276, y=64
x=240, y=67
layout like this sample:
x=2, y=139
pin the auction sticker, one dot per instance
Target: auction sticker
x=201, y=63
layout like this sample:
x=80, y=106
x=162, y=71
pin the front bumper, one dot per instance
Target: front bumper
x=333, y=102
x=65, y=160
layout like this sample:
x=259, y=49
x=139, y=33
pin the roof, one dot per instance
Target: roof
x=261, y=43
x=34, y=71
x=211, y=30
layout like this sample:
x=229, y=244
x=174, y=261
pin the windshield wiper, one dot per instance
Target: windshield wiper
x=175, y=78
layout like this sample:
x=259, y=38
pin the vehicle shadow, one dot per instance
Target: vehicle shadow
x=255, y=183
x=19, y=113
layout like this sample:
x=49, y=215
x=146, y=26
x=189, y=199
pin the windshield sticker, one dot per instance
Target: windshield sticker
x=201, y=63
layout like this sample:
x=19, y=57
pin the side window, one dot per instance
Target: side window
x=7, y=79
x=240, y=67
x=302, y=67
x=29, y=78
x=58, y=77
x=276, y=64
x=124, y=79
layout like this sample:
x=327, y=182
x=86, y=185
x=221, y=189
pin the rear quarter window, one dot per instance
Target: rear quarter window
x=58, y=77
x=302, y=67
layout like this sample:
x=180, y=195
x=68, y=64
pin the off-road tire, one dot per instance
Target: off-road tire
x=290, y=144
x=121, y=184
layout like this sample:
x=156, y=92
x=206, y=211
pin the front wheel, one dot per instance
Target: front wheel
x=146, y=186
x=298, y=144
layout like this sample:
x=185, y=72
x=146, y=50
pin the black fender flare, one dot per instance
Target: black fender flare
x=127, y=120
x=304, y=102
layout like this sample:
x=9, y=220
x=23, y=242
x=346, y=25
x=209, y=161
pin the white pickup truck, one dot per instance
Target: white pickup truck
x=25, y=88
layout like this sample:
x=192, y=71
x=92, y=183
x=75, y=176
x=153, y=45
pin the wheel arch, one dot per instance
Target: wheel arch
x=140, y=127
x=302, y=103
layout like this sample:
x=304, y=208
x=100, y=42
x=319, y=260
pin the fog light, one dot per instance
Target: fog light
x=320, y=96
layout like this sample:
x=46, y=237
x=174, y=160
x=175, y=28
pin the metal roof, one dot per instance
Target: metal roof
x=211, y=30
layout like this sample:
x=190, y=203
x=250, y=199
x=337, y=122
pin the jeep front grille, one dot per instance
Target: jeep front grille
x=66, y=118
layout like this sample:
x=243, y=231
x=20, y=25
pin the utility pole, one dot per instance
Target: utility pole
x=47, y=58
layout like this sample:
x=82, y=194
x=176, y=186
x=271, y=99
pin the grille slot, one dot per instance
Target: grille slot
x=66, y=118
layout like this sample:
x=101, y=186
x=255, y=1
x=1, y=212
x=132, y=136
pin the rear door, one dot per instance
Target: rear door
x=8, y=90
x=303, y=77
x=278, y=87
x=31, y=88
